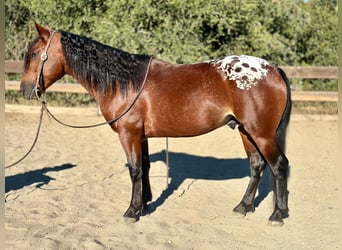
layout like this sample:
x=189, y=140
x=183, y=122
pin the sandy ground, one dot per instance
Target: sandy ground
x=71, y=192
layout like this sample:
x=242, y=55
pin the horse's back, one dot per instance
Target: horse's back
x=192, y=99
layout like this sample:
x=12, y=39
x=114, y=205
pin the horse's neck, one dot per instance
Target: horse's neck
x=103, y=70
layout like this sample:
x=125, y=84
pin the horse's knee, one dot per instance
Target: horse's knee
x=256, y=164
x=274, y=157
x=280, y=168
x=134, y=171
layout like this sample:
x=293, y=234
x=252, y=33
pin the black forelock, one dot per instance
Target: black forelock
x=102, y=66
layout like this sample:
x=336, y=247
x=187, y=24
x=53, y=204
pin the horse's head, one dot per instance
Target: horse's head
x=43, y=64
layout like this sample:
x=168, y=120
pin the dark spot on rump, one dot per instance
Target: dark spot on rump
x=254, y=69
x=244, y=78
x=238, y=69
x=245, y=65
x=234, y=61
x=236, y=58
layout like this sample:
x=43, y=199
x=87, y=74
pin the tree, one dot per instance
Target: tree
x=17, y=32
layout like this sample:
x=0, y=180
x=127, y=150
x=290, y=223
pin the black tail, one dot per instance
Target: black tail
x=282, y=128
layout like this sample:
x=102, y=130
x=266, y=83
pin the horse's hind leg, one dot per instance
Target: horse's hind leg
x=279, y=167
x=257, y=165
x=146, y=188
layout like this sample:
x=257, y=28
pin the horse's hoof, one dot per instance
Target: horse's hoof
x=130, y=220
x=238, y=214
x=243, y=209
x=275, y=223
x=130, y=216
x=276, y=219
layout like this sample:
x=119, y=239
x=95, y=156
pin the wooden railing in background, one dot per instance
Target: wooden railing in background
x=309, y=72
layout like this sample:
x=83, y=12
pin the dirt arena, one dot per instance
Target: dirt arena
x=72, y=190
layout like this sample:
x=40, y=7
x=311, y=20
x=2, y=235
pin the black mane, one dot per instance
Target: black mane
x=102, y=66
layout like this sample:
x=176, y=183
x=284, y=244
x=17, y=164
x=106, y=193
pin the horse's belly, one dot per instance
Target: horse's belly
x=184, y=125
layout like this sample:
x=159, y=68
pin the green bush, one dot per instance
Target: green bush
x=286, y=32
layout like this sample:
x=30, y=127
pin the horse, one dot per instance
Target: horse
x=153, y=98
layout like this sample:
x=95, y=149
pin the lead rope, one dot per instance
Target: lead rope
x=43, y=58
x=34, y=141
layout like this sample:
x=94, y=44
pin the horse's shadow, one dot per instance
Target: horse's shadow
x=185, y=166
x=18, y=181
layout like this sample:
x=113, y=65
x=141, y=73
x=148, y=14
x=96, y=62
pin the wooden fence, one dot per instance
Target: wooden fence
x=310, y=72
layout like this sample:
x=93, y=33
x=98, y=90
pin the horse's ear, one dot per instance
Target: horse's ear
x=42, y=32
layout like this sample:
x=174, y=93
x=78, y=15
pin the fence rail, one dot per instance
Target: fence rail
x=309, y=72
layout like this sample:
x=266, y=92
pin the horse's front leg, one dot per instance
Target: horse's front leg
x=146, y=188
x=132, y=145
x=135, y=208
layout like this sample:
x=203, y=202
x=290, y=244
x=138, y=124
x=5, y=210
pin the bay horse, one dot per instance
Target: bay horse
x=173, y=100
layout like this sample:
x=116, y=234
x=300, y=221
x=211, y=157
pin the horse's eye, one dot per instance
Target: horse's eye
x=33, y=54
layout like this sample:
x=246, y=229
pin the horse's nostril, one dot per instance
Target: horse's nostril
x=28, y=91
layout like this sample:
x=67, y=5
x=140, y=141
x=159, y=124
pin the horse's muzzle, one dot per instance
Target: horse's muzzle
x=29, y=91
